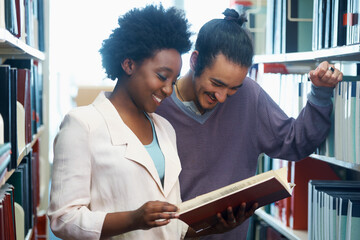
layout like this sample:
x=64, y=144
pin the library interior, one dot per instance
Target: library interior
x=50, y=64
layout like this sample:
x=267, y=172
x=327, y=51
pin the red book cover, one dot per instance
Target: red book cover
x=24, y=97
x=301, y=173
x=200, y=212
x=2, y=223
x=35, y=176
x=275, y=68
x=11, y=211
x=18, y=17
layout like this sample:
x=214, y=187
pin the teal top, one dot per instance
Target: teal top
x=156, y=154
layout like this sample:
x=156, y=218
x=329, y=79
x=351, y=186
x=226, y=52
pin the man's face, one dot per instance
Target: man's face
x=218, y=82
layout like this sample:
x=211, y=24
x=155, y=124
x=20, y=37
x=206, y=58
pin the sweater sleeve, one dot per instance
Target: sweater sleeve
x=69, y=213
x=288, y=138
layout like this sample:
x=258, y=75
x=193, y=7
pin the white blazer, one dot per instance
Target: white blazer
x=100, y=166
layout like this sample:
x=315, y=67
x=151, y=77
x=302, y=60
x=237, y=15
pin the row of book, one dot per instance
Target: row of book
x=334, y=210
x=25, y=20
x=20, y=105
x=335, y=23
x=287, y=26
x=281, y=88
x=8, y=210
x=292, y=211
x=5, y=157
x=262, y=230
x=19, y=198
x=343, y=142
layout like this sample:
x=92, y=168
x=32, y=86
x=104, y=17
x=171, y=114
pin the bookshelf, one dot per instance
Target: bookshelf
x=342, y=53
x=24, y=51
x=340, y=46
x=12, y=47
x=25, y=151
x=280, y=227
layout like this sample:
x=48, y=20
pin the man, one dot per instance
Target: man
x=224, y=120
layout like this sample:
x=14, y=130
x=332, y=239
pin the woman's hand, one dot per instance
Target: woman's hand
x=154, y=214
x=151, y=214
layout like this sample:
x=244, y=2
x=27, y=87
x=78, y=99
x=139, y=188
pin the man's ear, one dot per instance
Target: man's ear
x=128, y=65
x=193, y=59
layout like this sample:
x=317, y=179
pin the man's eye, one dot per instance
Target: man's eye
x=161, y=77
x=216, y=84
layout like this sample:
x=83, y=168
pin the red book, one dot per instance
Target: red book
x=200, y=212
x=2, y=222
x=24, y=97
x=301, y=173
x=18, y=17
x=275, y=68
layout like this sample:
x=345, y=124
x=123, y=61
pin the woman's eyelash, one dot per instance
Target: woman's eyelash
x=163, y=78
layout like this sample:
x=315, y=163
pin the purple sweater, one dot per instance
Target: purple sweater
x=222, y=146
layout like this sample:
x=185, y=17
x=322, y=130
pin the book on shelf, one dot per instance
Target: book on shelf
x=2, y=16
x=338, y=37
x=30, y=92
x=347, y=120
x=20, y=121
x=11, y=17
x=335, y=23
x=21, y=179
x=270, y=16
x=24, y=97
x=5, y=156
x=301, y=173
x=353, y=220
x=277, y=31
x=289, y=39
x=329, y=208
x=1, y=129
x=13, y=102
x=6, y=103
x=200, y=212
x=19, y=221
x=7, y=212
x=357, y=123
x=287, y=26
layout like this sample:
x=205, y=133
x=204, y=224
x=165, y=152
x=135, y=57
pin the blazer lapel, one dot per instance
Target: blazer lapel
x=172, y=161
x=120, y=134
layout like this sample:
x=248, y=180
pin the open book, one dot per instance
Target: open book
x=200, y=212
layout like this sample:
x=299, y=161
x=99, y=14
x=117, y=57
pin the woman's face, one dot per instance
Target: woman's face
x=153, y=79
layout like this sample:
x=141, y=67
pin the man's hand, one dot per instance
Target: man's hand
x=325, y=75
x=223, y=225
x=231, y=221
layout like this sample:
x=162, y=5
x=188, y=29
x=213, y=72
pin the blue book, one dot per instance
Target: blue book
x=353, y=219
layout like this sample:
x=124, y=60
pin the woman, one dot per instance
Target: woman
x=116, y=166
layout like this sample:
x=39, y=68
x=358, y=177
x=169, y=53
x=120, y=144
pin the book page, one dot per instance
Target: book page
x=280, y=175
